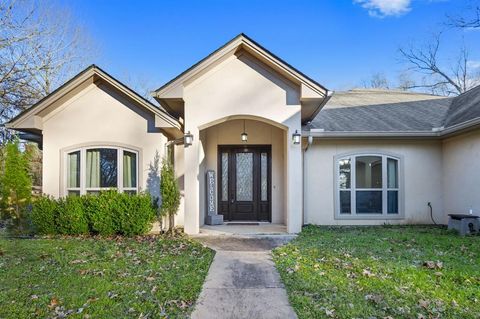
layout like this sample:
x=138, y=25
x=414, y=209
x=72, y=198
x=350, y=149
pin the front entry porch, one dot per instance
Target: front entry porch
x=249, y=174
x=244, y=229
x=255, y=180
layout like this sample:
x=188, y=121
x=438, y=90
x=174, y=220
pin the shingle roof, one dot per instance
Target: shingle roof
x=464, y=107
x=395, y=111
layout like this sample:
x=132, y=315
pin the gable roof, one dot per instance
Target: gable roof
x=312, y=91
x=242, y=38
x=396, y=113
x=90, y=75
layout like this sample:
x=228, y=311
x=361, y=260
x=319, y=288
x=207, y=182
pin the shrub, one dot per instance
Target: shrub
x=135, y=214
x=71, y=218
x=99, y=212
x=170, y=192
x=107, y=213
x=15, y=188
x=43, y=215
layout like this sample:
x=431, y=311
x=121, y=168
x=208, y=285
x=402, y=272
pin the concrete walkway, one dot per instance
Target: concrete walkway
x=242, y=281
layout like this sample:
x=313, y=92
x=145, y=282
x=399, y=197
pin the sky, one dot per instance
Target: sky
x=339, y=43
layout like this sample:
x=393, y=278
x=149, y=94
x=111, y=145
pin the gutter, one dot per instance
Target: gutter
x=464, y=126
x=319, y=133
x=435, y=133
x=328, y=95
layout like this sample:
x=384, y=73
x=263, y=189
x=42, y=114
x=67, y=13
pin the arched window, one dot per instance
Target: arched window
x=368, y=186
x=92, y=169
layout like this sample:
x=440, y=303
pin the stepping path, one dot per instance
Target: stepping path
x=242, y=281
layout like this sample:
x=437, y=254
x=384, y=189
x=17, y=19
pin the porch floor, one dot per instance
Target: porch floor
x=233, y=229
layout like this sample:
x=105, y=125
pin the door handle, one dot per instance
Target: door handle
x=232, y=201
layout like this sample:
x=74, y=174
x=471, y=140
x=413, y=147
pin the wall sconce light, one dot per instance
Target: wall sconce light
x=188, y=139
x=296, y=137
x=244, y=135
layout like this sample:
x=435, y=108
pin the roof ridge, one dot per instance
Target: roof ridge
x=387, y=91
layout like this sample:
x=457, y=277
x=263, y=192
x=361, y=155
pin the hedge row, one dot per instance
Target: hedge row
x=107, y=213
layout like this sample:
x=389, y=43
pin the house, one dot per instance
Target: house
x=284, y=149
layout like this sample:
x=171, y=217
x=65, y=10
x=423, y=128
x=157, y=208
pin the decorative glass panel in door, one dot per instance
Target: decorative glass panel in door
x=244, y=174
x=224, y=177
x=264, y=176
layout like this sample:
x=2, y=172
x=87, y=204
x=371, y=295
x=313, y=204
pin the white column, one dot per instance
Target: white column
x=294, y=183
x=192, y=204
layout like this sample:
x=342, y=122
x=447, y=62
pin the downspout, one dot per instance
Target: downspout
x=328, y=95
x=177, y=141
x=309, y=142
x=169, y=144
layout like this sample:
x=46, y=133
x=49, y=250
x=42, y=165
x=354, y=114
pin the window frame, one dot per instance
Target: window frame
x=67, y=167
x=83, y=175
x=353, y=187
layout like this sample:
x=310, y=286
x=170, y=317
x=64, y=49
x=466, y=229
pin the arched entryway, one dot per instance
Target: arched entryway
x=250, y=175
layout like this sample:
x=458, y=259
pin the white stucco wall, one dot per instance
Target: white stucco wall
x=243, y=88
x=97, y=116
x=422, y=165
x=461, y=173
x=259, y=133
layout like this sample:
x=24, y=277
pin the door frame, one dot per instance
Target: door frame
x=230, y=147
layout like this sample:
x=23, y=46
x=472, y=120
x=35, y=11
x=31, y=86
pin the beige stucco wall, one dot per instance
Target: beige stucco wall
x=179, y=166
x=422, y=166
x=461, y=173
x=97, y=116
x=242, y=88
x=259, y=133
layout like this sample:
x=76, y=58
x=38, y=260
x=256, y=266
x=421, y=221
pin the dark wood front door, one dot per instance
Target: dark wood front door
x=244, y=182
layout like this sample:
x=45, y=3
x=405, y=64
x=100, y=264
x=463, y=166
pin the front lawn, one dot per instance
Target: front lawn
x=148, y=277
x=381, y=272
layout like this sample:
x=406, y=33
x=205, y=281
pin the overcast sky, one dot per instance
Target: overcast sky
x=339, y=43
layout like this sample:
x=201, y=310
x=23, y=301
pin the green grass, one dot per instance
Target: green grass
x=148, y=277
x=381, y=272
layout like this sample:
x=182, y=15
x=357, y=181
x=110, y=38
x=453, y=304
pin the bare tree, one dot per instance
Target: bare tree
x=39, y=48
x=405, y=81
x=140, y=83
x=445, y=77
x=468, y=21
x=377, y=81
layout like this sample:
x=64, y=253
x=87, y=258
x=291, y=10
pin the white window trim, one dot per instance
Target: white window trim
x=83, y=175
x=384, y=189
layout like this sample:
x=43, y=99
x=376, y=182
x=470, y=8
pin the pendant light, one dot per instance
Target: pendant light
x=244, y=135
